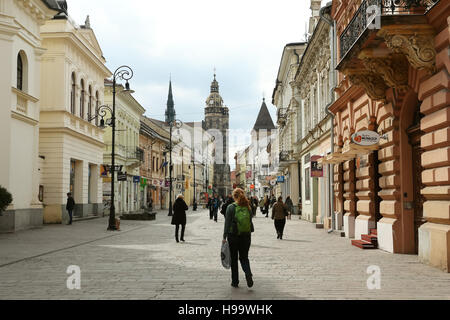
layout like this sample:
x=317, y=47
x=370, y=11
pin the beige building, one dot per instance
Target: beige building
x=128, y=154
x=71, y=146
x=21, y=51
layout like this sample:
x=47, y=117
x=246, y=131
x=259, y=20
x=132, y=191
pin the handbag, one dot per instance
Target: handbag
x=225, y=255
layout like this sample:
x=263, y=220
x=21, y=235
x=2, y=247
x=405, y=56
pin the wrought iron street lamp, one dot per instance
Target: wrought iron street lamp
x=178, y=124
x=121, y=73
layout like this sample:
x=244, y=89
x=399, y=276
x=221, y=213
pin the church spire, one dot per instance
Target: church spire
x=214, y=84
x=170, y=110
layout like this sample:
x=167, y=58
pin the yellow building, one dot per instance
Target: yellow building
x=71, y=146
x=128, y=154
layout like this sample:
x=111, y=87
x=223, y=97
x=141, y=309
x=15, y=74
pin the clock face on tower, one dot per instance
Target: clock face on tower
x=211, y=102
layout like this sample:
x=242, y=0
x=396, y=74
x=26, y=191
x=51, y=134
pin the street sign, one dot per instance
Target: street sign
x=121, y=176
x=136, y=179
x=365, y=138
x=252, y=186
x=280, y=179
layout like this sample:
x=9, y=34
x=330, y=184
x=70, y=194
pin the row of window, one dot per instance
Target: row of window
x=21, y=85
x=90, y=101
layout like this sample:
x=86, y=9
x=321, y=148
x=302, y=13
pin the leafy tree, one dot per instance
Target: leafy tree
x=5, y=199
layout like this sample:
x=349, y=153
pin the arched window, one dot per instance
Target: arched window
x=97, y=104
x=19, y=72
x=72, y=94
x=82, y=100
x=90, y=104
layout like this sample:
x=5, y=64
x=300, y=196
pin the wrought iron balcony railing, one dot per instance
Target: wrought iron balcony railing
x=370, y=9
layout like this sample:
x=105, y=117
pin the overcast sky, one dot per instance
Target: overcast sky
x=242, y=39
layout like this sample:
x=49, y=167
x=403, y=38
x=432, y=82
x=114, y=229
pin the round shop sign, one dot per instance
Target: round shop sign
x=366, y=138
x=273, y=182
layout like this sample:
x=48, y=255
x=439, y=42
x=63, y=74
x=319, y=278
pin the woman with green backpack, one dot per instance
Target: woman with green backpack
x=237, y=230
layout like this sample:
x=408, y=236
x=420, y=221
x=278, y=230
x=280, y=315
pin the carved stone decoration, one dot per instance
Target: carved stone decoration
x=393, y=69
x=372, y=83
x=417, y=46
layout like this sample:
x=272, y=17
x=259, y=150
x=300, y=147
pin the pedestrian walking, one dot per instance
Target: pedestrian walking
x=70, y=206
x=216, y=205
x=210, y=207
x=237, y=231
x=279, y=213
x=254, y=202
x=179, y=216
x=290, y=206
x=266, y=206
x=229, y=201
x=261, y=205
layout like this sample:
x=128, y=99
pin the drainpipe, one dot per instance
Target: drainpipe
x=299, y=167
x=333, y=86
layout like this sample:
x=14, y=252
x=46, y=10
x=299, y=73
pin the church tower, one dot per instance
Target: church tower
x=217, y=123
x=170, y=110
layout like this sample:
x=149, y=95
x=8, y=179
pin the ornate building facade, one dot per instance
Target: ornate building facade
x=394, y=80
x=128, y=153
x=20, y=91
x=70, y=142
x=217, y=125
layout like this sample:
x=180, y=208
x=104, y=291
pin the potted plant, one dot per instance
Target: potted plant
x=5, y=199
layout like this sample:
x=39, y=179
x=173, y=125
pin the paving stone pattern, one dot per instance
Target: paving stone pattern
x=143, y=261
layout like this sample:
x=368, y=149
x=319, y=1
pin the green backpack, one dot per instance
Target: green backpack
x=242, y=221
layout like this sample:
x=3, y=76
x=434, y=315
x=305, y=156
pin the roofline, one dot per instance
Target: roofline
x=277, y=81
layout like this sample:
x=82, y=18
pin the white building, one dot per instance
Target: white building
x=71, y=146
x=20, y=91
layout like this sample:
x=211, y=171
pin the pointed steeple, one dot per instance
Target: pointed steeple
x=264, y=120
x=170, y=110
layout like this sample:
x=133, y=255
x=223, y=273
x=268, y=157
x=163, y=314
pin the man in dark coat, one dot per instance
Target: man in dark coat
x=225, y=205
x=70, y=206
x=216, y=205
x=179, y=216
x=210, y=207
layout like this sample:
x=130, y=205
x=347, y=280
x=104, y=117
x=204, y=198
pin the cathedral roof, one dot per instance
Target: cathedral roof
x=264, y=120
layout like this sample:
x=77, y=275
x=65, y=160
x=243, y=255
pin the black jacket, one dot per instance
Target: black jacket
x=225, y=205
x=70, y=203
x=179, y=211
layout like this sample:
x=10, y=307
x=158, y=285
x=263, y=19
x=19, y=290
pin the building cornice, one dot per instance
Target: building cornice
x=75, y=40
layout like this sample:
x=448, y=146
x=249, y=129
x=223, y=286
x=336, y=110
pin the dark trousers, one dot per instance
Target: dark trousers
x=70, y=215
x=177, y=227
x=239, y=247
x=215, y=213
x=210, y=213
x=279, y=226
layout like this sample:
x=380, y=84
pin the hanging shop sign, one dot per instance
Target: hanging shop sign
x=280, y=179
x=316, y=167
x=136, y=179
x=366, y=138
x=121, y=176
x=252, y=186
x=273, y=182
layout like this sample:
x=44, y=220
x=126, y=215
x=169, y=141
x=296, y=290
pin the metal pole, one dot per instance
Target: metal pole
x=170, y=170
x=194, y=206
x=112, y=213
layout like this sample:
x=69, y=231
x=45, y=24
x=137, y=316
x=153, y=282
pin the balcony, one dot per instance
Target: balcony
x=382, y=40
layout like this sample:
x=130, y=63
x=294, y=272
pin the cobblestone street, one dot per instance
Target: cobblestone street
x=143, y=261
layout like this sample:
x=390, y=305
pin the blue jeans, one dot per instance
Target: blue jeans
x=239, y=247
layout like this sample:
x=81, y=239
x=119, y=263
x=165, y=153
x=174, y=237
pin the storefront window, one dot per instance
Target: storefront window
x=307, y=185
